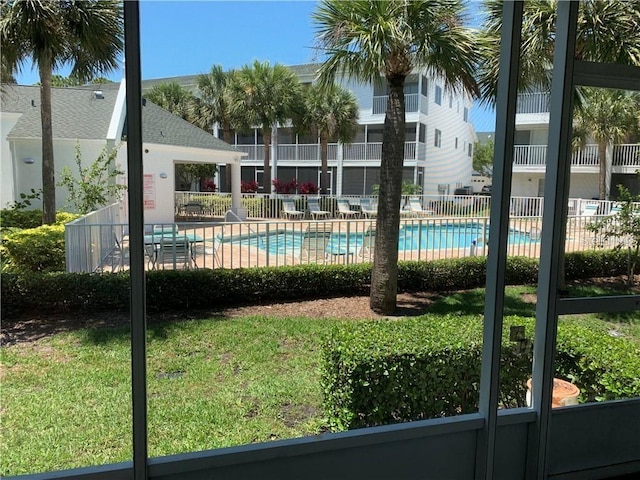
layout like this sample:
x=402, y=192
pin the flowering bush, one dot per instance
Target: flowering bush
x=209, y=185
x=308, y=188
x=249, y=187
x=285, y=187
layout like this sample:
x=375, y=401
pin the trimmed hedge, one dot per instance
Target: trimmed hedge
x=383, y=372
x=39, y=249
x=205, y=288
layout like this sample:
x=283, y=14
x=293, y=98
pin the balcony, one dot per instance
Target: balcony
x=373, y=151
x=626, y=157
x=537, y=102
x=411, y=103
x=292, y=152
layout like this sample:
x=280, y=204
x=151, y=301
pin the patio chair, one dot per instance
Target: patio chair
x=314, y=243
x=314, y=209
x=589, y=210
x=344, y=209
x=194, y=209
x=415, y=208
x=368, y=244
x=176, y=252
x=289, y=209
x=368, y=209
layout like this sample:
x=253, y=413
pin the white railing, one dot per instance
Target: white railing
x=99, y=241
x=283, y=243
x=587, y=156
x=626, y=155
x=90, y=239
x=373, y=151
x=411, y=101
x=536, y=156
x=530, y=155
x=537, y=102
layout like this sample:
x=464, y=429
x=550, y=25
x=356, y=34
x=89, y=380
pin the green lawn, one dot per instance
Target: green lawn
x=65, y=400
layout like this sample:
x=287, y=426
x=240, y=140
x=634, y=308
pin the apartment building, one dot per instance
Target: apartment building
x=438, y=147
x=532, y=125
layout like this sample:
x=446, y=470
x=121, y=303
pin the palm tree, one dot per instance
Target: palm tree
x=263, y=96
x=211, y=106
x=329, y=112
x=173, y=97
x=606, y=116
x=367, y=39
x=88, y=35
x=607, y=32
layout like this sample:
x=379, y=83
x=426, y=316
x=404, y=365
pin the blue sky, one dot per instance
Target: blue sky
x=188, y=37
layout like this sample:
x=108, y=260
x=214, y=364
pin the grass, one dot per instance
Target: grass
x=211, y=383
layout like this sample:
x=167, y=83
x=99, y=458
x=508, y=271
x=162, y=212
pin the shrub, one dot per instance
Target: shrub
x=20, y=218
x=205, y=288
x=30, y=218
x=38, y=249
x=383, y=372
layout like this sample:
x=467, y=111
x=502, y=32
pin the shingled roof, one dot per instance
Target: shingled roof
x=76, y=113
x=82, y=113
x=162, y=126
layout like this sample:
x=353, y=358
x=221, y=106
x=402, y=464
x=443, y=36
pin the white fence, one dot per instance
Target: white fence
x=93, y=246
x=90, y=240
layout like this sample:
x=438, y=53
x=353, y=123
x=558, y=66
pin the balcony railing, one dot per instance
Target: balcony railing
x=627, y=155
x=536, y=156
x=411, y=101
x=293, y=152
x=373, y=151
x=537, y=102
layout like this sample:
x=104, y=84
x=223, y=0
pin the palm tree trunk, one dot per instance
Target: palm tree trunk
x=266, y=178
x=324, y=162
x=384, y=275
x=48, y=168
x=602, y=159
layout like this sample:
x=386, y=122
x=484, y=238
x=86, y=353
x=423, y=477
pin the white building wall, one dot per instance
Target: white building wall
x=28, y=176
x=362, y=92
x=159, y=170
x=7, y=186
x=448, y=164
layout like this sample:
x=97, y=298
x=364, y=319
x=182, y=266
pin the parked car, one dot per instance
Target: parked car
x=486, y=189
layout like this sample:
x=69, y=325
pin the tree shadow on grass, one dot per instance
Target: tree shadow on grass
x=472, y=303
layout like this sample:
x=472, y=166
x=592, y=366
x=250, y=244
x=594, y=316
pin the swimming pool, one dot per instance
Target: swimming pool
x=412, y=237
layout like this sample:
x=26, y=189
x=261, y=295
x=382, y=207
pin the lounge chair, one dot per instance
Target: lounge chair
x=368, y=244
x=589, y=210
x=368, y=209
x=344, y=209
x=314, y=209
x=289, y=209
x=416, y=210
x=314, y=243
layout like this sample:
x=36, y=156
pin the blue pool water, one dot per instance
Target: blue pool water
x=412, y=237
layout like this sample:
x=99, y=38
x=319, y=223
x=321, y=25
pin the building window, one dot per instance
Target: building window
x=470, y=146
x=456, y=142
x=438, y=95
x=438, y=138
x=466, y=114
x=410, y=132
x=422, y=138
x=425, y=90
